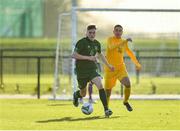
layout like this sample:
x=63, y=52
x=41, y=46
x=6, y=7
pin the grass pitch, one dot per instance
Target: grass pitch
x=28, y=114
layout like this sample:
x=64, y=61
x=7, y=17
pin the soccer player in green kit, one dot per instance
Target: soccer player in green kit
x=85, y=53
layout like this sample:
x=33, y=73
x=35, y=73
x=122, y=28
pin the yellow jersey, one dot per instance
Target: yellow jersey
x=115, y=52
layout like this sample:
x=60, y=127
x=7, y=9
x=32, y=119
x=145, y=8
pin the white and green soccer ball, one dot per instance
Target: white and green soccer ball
x=87, y=108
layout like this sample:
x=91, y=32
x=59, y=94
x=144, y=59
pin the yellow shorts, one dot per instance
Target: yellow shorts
x=111, y=77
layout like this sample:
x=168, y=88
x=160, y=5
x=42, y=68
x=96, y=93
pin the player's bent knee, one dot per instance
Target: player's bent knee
x=127, y=84
x=83, y=94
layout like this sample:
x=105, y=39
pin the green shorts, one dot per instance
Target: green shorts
x=82, y=81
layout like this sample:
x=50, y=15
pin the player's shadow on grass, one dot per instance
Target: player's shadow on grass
x=59, y=104
x=76, y=119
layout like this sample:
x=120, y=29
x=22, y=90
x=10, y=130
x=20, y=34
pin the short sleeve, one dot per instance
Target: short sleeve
x=79, y=47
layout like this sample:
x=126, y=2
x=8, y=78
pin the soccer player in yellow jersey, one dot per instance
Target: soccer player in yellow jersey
x=116, y=46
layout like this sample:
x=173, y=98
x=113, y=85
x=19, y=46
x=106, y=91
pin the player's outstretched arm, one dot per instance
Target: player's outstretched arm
x=77, y=56
x=104, y=60
x=133, y=58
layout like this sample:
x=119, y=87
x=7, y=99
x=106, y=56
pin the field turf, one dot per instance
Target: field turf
x=25, y=114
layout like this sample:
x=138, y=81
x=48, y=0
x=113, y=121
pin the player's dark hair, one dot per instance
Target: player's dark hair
x=118, y=26
x=89, y=27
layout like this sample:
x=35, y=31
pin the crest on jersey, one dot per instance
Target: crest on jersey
x=92, y=53
x=96, y=48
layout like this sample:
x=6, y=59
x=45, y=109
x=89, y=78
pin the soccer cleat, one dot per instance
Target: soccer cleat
x=108, y=113
x=75, y=100
x=128, y=106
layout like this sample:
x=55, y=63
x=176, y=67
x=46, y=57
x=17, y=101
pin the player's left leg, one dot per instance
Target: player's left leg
x=97, y=81
x=127, y=91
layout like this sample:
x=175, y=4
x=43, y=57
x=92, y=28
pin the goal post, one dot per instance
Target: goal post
x=58, y=50
x=74, y=40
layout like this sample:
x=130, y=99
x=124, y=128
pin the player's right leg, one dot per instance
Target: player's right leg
x=80, y=93
x=127, y=91
x=76, y=95
x=124, y=79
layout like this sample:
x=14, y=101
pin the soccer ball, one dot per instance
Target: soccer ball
x=87, y=108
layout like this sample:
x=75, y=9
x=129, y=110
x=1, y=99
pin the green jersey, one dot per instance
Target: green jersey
x=86, y=47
